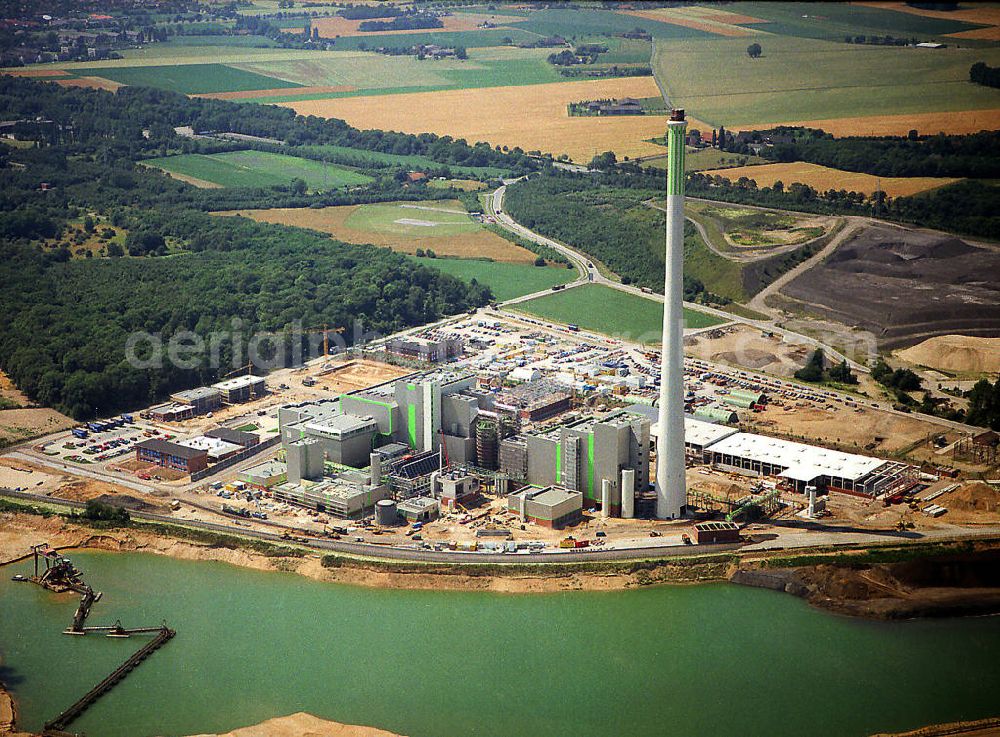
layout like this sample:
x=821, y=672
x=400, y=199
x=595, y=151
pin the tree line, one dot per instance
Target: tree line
x=975, y=156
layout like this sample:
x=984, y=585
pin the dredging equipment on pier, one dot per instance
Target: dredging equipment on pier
x=57, y=573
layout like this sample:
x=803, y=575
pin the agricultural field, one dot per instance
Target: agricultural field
x=187, y=78
x=442, y=226
x=610, y=311
x=412, y=162
x=800, y=79
x=337, y=26
x=255, y=169
x=371, y=74
x=466, y=185
x=822, y=178
x=541, y=122
x=709, y=20
x=927, y=124
x=470, y=39
x=867, y=19
x=569, y=22
x=505, y=280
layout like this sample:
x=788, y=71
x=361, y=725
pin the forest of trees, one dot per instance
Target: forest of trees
x=64, y=323
x=976, y=155
x=606, y=220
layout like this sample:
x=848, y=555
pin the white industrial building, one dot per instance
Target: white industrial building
x=798, y=465
x=216, y=448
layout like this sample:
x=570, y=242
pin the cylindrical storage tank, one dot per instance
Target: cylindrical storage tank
x=628, y=493
x=605, y=498
x=385, y=512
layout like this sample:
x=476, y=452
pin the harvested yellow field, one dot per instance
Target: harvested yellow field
x=980, y=34
x=533, y=117
x=94, y=83
x=723, y=16
x=822, y=178
x=333, y=220
x=47, y=72
x=986, y=13
x=717, y=23
x=960, y=123
x=466, y=185
x=338, y=26
x=960, y=353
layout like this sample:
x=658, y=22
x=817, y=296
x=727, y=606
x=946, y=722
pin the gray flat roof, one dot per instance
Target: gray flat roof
x=158, y=445
x=200, y=392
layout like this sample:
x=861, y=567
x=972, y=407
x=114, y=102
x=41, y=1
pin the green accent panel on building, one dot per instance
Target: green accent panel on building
x=590, y=466
x=559, y=462
x=385, y=405
x=411, y=422
x=675, y=164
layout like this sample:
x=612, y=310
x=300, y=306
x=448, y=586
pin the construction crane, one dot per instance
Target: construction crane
x=326, y=330
x=248, y=368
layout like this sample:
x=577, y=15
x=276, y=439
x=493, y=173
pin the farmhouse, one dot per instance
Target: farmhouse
x=624, y=106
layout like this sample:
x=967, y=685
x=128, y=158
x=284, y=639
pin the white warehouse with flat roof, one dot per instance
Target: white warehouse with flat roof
x=802, y=465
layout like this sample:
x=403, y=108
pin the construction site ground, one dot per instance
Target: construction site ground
x=859, y=429
x=747, y=347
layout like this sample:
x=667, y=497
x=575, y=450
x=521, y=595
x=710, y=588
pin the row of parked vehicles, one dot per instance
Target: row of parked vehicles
x=102, y=426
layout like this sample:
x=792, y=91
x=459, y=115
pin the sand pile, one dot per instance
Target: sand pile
x=304, y=725
x=975, y=497
x=956, y=353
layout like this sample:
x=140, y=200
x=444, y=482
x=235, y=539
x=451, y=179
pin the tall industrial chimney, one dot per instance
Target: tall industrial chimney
x=671, y=494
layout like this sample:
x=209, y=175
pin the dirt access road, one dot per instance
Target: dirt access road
x=759, y=301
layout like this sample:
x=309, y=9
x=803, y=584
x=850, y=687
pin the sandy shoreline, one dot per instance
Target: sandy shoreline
x=20, y=531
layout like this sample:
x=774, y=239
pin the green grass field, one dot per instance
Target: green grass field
x=258, y=169
x=469, y=39
x=414, y=220
x=252, y=42
x=568, y=22
x=610, y=311
x=377, y=74
x=506, y=281
x=804, y=79
x=189, y=79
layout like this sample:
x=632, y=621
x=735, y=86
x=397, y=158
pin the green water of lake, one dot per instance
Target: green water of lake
x=684, y=660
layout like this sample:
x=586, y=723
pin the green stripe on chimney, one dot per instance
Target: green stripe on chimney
x=675, y=151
